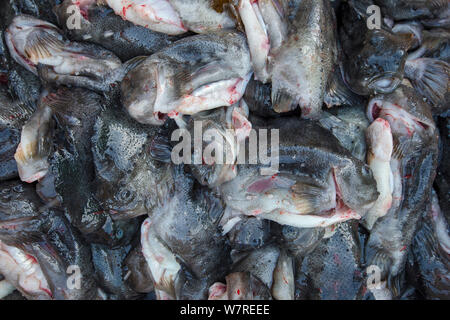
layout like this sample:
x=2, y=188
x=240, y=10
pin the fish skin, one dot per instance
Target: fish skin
x=429, y=265
x=99, y=25
x=193, y=74
x=136, y=273
x=302, y=66
x=408, y=10
x=240, y=286
x=415, y=166
x=188, y=225
x=108, y=269
x=128, y=164
x=333, y=270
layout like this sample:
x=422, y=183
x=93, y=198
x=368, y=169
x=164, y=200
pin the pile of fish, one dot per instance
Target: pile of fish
x=353, y=96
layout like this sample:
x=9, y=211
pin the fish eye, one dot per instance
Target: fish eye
x=125, y=195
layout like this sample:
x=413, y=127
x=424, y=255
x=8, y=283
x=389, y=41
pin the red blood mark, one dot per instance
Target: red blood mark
x=256, y=212
x=423, y=125
x=173, y=114
x=336, y=259
x=47, y=291
x=33, y=259
x=403, y=248
x=159, y=259
x=407, y=176
x=260, y=186
x=238, y=292
x=124, y=10
x=3, y=78
x=376, y=110
x=98, y=212
x=285, y=281
x=306, y=111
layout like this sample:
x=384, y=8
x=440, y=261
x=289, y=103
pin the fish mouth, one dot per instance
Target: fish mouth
x=385, y=83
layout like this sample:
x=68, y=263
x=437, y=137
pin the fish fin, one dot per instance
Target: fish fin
x=160, y=149
x=338, y=93
x=207, y=74
x=40, y=45
x=437, y=5
x=430, y=77
x=382, y=261
x=282, y=101
x=307, y=197
x=395, y=284
x=19, y=113
x=402, y=147
x=133, y=63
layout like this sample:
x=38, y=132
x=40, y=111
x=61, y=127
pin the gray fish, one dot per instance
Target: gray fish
x=194, y=74
x=99, y=25
x=304, y=191
x=303, y=65
x=413, y=167
x=39, y=47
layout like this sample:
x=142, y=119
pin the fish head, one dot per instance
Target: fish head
x=139, y=93
x=25, y=38
x=222, y=131
x=355, y=175
x=405, y=111
x=377, y=66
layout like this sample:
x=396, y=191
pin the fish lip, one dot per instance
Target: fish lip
x=123, y=214
x=391, y=76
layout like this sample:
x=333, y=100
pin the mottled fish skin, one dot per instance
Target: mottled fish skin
x=194, y=74
x=430, y=265
x=333, y=271
x=372, y=60
x=136, y=273
x=39, y=47
x=108, y=268
x=414, y=168
x=291, y=195
x=99, y=25
x=348, y=124
x=408, y=10
x=188, y=225
x=302, y=66
x=130, y=160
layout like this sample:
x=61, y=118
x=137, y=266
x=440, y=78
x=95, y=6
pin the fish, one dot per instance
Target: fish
x=99, y=25
x=137, y=275
x=186, y=226
x=223, y=130
x=110, y=274
x=413, y=165
x=13, y=115
x=25, y=274
x=193, y=74
x=239, y=286
x=430, y=249
x=408, y=10
x=131, y=162
x=348, y=124
x=39, y=47
x=173, y=17
x=302, y=192
x=266, y=29
x=380, y=142
x=302, y=66
x=333, y=270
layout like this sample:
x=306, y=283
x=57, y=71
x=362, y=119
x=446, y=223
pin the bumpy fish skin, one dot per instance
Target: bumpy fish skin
x=293, y=191
x=130, y=160
x=108, y=268
x=187, y=224
x=39, y=47
x=194, y=74
x=430, y=249
x=302, y=66
x=333, y=270
x=99, y=25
